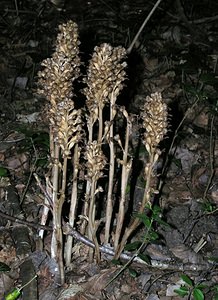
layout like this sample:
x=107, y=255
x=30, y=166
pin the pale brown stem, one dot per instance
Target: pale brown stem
x=55, y=187
x=52, y=144
x=90, y=124
x=57, y=237
x=86, y=207
x=126, y=167
x=59, y=217
x=48, y=204
x=73, y=203
x=109, y=208
x=100, y=124
x=91, y=224
x=56, y=242
x=146, y=199
x=88, y=184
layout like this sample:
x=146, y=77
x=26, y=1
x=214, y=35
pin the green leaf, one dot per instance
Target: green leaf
x=133, y=246
x=182, y=291
x=132, y=273
x=4, y=267
x=201, y=286
x=152, y=235
x=145, y=219
x=160, y=221
x=148, y=206
x=145, y=258
x=156, y=215
x=156, y=210
x=116, y=262
x=189, y=88
x=215, y=297
x=41, y=162
x=198, y=294
x=128, y=189
x=187, y=280
x=213, y=259
x=3, y=172
x=208, y=78
x=208, y=207
x=41, y=138
x=215, y=288
x=177, y=162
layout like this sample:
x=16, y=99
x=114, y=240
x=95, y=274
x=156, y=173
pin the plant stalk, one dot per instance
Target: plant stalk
x=109, y=208
x=126, y=168
x=146, y=199
x=73, y=203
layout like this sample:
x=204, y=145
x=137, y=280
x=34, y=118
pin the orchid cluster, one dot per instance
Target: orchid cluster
x=87, y=142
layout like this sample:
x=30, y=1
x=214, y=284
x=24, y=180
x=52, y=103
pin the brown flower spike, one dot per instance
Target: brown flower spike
x=105, y=75
x=154, y=116
x=96, y=161
x=55, y=81
x=56, y=84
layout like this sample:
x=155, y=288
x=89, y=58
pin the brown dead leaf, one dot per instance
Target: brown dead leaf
x=2, y=156
x=19, y=162
x=81, y=297
x=45, y=278
x=202, y=119
x=98, y=282
x=78, y=297
x=151, y=64
x=8, y=256
x=72, y=292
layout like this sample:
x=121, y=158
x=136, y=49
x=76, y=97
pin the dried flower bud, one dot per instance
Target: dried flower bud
x=55, y=81
x=105, y=75
x=96, y=161
x=154, y=117
x=66, y=124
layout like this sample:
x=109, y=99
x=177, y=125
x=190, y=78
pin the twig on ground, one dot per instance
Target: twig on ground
x=211, y=149
x=164, y=265
x=17, y=220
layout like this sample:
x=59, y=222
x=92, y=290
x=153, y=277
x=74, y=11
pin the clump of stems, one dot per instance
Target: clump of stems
x=104, y=81
x=65, y=123
x=154, y=116
x=95, y=149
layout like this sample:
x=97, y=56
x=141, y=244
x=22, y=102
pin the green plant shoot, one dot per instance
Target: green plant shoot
x=17, y=291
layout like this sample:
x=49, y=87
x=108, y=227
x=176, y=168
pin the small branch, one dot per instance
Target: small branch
x=17, y=220
x=183, y=17
x=165, y=265
x=212, y=171
x=31, y=172
x=43, y=190
x=206, y=20
x=142, y=26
